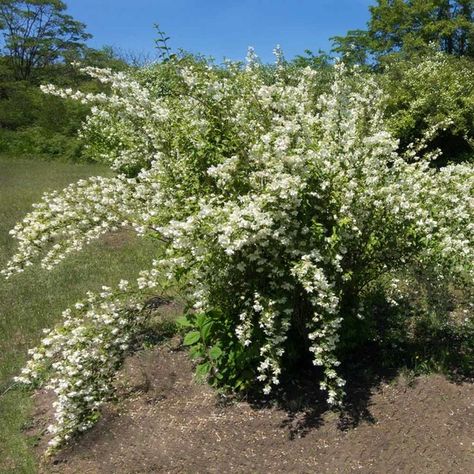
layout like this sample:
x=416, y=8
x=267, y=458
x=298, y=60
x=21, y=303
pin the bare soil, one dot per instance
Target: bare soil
x=118, y=239
x=165, y=422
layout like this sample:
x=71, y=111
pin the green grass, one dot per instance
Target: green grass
x=34, y=299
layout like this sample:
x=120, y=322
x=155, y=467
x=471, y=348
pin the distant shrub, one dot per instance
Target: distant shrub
x=36, y=142
x=37, y=125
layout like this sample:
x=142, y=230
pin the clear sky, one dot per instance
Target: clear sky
x=221, y=28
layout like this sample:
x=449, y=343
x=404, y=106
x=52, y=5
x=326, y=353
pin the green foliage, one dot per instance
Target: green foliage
x=407, y=27
x=34, y=124
x=36, y=142
x=425, y=326
x=413, y=24
x=319, y=61
x=161, y=45
x=220, y=357
x=40, y=42
x=29, y=123
x=105, y=57
x=434, y=97
x=354, y=47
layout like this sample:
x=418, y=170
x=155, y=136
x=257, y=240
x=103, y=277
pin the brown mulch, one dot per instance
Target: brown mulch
x=165, y=422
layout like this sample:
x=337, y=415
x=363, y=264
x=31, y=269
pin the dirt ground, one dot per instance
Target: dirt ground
x=165, y=422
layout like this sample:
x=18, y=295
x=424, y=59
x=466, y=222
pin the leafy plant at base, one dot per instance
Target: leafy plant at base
x=223, y=360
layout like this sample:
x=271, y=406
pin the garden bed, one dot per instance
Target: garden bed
x=166, y=422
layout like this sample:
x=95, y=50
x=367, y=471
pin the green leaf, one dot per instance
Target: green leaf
x=183, y=322
x=201, y=319
x=196, y=351
x=215, y=352
x=202, y=371
x=191, y=338
x=206, y=330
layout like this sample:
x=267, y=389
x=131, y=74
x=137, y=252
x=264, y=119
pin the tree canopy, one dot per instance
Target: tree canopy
x=412, y=26
x=37, y=33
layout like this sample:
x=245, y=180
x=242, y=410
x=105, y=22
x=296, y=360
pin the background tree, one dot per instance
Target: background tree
x=37, y=33
x=354, y=47
x=40, y=41
x=414, y=24
x=410, y=27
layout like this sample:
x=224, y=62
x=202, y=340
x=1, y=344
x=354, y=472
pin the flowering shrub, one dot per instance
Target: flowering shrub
x=275, y=206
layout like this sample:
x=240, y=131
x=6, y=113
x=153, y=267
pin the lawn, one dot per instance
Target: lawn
x=33, y=300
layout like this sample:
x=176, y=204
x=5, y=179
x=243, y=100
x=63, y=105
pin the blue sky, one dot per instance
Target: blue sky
x=221, y=28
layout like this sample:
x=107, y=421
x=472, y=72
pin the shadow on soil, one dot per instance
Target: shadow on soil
x=305, y=404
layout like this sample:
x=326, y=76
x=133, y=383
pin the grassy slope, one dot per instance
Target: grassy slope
x=33, y=300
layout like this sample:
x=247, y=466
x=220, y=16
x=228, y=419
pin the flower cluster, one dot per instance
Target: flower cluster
x=80, y=358
x=278, y=206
